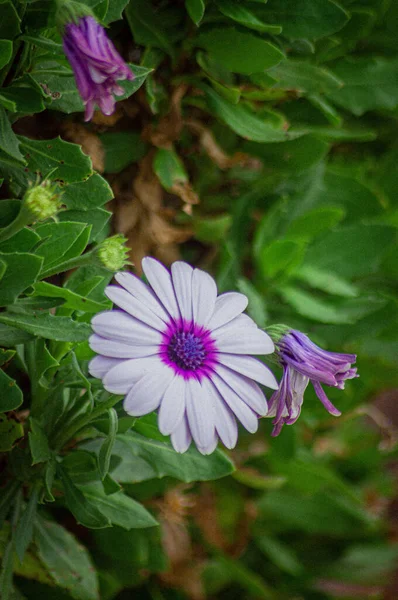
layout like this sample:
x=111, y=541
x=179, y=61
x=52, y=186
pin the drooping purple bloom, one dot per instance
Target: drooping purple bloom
x=177, y=348
x=96, y=64
x=302, y=362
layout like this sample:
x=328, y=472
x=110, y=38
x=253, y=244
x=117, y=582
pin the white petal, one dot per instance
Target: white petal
x=227, y=307
x=172, y=407
x=181, y=274
x=246, y=389
x=146, y=395
x=181, y=438
x=199, y=413
x=123, y=376
x=118, y=325
x=141, y=291
x=224, y=419
x=234, y=340
x=240, y=322
x=250, y=367
x=204, y=294
x=100, y=365
x=211, y=446
x=117, y=349
x=139, y=310
x=242, y=412
x=160, y=280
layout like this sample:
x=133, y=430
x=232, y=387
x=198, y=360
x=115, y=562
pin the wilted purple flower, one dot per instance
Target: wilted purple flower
x=96, y=64
x=302, y=362
x=177, y=347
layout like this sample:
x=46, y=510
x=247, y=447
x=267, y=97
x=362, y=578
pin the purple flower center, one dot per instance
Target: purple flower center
x=186, y=350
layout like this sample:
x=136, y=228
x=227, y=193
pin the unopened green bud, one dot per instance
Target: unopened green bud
x=113, y=253
x=42, y=201
x=276, y=332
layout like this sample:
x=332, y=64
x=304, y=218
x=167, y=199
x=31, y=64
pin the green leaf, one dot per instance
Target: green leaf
x=245, y=122
x=169, y=168
x=6, y=355
x=195, y=9
x=315, y=222
x=67, y=560
x=299, y=75
x=351, y=251
x=257, y=308
x=61, y=242
x=27, y=266
x=8, y=140
x=22, y=96
x=86, y=195
x=64, y=160
x=144, y=458
x=10, y=432
x=10, y=394
x=244, y=16
x=122, y=148
x=23, y=241
x=10, y=21
x=294, y=155
x=5, y=52
x=11, y=336
x=326, y=281
x=72, y=300
x=61, y=329
x=119, y=508
x=85, y=512
x=105, y=452
x=281, y=256
x=369, y=84
x=24, y=530
x=147, y=26
x=314, y=308
x=280, y=554
x=114, y=10
x=301, y=19
x=140, y=75
x=96, y=218
x=38, y=443
x=239, y=51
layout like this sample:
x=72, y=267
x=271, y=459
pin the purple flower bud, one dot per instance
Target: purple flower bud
x=302, y=362
x=96, y=64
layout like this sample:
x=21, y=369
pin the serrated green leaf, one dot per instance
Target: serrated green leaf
x=64, y=160
x=61, y=242
x=10, y=394
x=27, y=266
x=86, y=195
x=10, y=432
x=73, y=301
x=61, y=329
x=8, y=140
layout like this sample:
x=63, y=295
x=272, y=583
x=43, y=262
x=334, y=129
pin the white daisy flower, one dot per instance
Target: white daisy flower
x=176, y=347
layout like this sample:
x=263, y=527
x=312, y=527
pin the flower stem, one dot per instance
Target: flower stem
x=74, y=428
